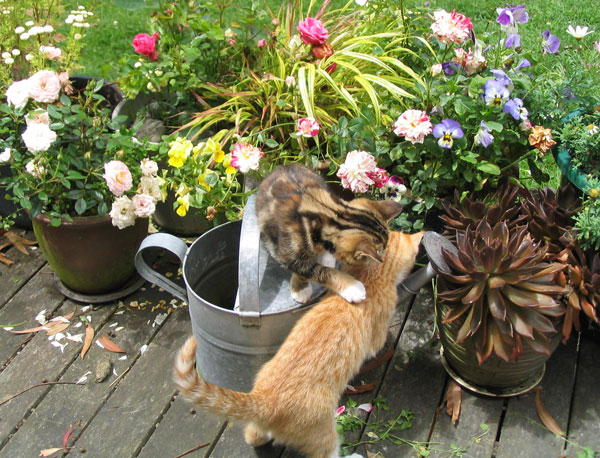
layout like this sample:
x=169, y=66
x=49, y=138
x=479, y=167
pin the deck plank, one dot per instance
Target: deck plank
x=231, y=444
x=181, y=429
x=37, y=362
x=414, y=380
x=475, y=431
x=584, y=429
x=129, y=415
x=522, y=430
x=40, y=293
x=15, y=276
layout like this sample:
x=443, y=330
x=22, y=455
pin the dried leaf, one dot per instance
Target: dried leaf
x=4, y=260
x=49, y=451
x=378, y=360
x=545, y=416
x=19, y=242
x=453, y=400
x=109, y=344
x=87, y=341
x=66, y=437
x=362, y=388
x=58, y=327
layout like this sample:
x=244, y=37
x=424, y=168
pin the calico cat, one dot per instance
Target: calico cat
x=306, y=227
x=296, y=393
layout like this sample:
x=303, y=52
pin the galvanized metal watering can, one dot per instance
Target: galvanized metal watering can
x=239, y=297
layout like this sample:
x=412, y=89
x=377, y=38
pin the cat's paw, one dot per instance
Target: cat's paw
x=304, y=295
x=327, y=259
x=356, y=292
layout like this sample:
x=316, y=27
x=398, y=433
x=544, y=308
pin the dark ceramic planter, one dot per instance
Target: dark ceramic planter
x=495, y=376
x=90, y=255
x=193, y=223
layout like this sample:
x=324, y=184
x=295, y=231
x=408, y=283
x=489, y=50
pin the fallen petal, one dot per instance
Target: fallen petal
x=368, y=407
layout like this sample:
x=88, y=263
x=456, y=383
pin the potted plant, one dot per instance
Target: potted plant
x=77, y=172
x=471, y=123
x=515, y=280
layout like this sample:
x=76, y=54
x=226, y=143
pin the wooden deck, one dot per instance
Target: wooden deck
x=136, y=411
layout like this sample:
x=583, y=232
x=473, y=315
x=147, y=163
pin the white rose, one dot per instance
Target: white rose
x=150, y=185
x=5, y=155
x=144, y=205
x=38, y=137
x=37, y=117
x=123, y=212
x=17, y=94
x=149, y=167
x=35, y=169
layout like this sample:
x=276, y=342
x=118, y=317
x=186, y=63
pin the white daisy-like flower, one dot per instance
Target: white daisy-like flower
x=578, y=32
x=19, y=30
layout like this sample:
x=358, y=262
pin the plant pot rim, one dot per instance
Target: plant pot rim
x=91, y=220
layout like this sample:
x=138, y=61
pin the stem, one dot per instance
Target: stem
x=516, y=161
x=193, y=449
x=35, y=386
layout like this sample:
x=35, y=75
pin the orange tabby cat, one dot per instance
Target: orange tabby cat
x=296, y=393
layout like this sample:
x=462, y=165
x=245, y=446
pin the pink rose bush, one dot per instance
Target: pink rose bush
x=308, y=127
x=451, y=27
x=145, y=45
x=359, y=171
x=312, y=31
x=413, y=125
x=245, y=157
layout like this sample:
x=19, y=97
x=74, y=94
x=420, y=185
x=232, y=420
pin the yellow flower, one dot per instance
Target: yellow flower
x=202, y=181
x=229, y=170
x=183, y=205
x=179, y=151
x=594, y=193
x=214, y=148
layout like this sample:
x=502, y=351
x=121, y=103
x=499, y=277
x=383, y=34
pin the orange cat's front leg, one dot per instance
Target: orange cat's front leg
x=255, y=436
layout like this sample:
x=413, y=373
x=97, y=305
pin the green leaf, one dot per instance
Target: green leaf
x=495, y=126
x=272, y=143
x=65, y=100
x=490, y=169
x=75, y=175
x=80, y=206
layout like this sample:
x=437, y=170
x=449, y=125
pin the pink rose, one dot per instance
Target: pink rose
x=358, y=171
x=261, y=43
x=44, y=86
x=145, y=44
x=144, y=205
x=308, y=127
x=245, y=157
x=50, y=52
x=117, y=177
x=312, y=31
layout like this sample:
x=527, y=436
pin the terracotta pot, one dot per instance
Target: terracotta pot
x=89, y=254
x=495, y=376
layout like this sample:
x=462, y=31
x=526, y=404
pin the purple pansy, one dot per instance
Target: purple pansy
x=495, y=93
x=450, y=68
x=513, y=40
x=524, y=63
x=551, y=42
x=446, y=131
x=510, y=16
x=502, y=78
x=515, y=108
x=394, y=189
x=484, y=136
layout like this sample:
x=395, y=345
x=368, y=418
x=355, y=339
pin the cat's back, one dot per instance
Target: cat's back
x=286, y=186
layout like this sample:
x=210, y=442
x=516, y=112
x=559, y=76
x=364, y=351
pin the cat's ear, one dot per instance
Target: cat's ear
x=388, y=209
x=365, y=249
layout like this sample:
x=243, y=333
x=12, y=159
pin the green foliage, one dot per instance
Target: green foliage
x=64, y=179
x=587, y=223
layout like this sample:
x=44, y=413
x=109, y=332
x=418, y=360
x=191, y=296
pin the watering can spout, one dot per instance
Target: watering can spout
x=433, y=244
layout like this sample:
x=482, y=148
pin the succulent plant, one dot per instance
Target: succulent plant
x=503, y=205
x=503, y=289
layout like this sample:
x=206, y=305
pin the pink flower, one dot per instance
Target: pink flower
x=308, y=127
x=471, y=62
x=312, y=31
x=245, y=157
x=144, y=205
x=44, y=86
x=261, y=43
x=50, y=52
x=37, y=117
x=340, y=410
x=413, y=125
x=597, y=45
x=149, y=167
x=380, y=177
x=357, y=171
x=117, y=177
x=145, y=44
x=451, y=27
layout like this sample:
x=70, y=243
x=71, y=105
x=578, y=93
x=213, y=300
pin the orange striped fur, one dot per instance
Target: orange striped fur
x=296, y=393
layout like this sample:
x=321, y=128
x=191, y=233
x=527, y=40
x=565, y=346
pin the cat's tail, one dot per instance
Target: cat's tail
x=212, y=398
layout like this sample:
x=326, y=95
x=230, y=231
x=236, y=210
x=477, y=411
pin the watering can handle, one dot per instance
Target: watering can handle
x=248, y=298
x=169, y=243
